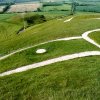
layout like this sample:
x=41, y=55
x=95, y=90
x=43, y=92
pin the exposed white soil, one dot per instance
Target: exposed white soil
x=96, y=18
x=68, y=20
x=87, y=38
x=23, y=49
x=51, y=61
x=40, y=51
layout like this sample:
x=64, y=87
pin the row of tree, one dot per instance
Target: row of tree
x=73, y=7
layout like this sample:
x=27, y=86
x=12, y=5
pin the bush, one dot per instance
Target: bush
x=35, y=19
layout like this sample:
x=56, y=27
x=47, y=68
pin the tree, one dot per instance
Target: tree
x=23, y=17
x=73, y=7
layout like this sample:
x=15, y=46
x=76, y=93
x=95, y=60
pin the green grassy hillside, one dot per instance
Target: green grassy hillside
x=53, y=50
x=53, y=29
x=76, y=79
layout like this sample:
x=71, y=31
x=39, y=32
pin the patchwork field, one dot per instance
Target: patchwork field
x=68, y=69
x=24, y=7
x=95, y=8
x=1, y=8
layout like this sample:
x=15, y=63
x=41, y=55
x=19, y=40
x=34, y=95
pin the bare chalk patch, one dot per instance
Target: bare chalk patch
x=40, y=51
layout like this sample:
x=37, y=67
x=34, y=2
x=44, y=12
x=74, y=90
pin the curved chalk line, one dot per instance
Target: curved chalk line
x=51, y=61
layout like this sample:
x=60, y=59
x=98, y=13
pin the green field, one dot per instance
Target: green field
x=88, y=8
x=76, y=79
x=63, y=7
x=95, y=36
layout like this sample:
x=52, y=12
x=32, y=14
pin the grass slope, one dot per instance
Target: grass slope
x=49, y=30
x=54, y=49
x=77, y=79
x=95, y=36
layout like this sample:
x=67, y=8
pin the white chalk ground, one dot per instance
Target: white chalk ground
x=51, y=61
x=85, y=36
x=96, y=18
x=40, y=51
x=68, y=20
x=59, y=59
